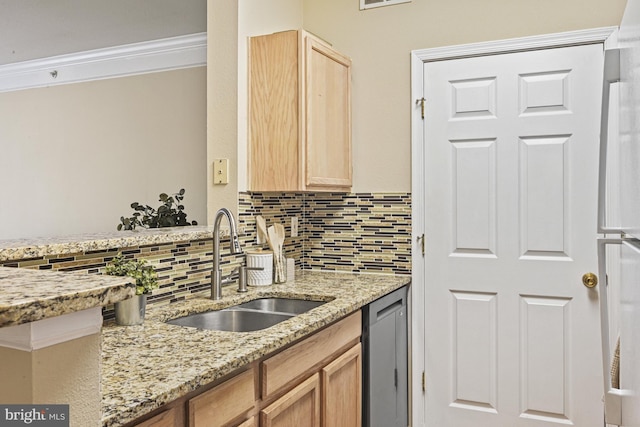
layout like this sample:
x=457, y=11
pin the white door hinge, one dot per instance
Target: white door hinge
x=420, y=240
x=421, y=102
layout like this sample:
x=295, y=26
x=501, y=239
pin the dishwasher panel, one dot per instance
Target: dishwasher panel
x=385, y=370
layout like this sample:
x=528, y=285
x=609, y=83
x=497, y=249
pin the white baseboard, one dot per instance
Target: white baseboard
x=137, y=58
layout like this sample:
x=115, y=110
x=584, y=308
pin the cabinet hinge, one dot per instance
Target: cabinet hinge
x=421, y=102
x=424, y=382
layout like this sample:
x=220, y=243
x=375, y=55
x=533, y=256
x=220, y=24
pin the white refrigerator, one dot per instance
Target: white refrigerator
x=619, y=224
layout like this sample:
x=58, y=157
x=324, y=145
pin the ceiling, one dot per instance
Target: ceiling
x=32, y=29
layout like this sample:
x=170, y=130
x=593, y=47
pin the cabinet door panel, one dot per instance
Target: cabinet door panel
x=274, y=112
x=298, y=408
x=342, y=390
x=328, y=110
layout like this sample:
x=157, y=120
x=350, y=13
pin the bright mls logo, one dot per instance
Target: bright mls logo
x=34, y=415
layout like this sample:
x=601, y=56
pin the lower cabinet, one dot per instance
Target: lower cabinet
x=316, y=382
x=333, y=359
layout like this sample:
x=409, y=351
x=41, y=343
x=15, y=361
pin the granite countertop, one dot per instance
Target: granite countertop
x=16, y=249
x=30, y=295
x=146, y=366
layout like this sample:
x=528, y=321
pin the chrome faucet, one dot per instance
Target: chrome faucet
x=216, y=275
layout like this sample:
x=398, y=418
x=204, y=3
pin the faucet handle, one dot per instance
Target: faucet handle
x=242, y=277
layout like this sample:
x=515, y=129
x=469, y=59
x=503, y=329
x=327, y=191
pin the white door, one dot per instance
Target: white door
x=511, y=158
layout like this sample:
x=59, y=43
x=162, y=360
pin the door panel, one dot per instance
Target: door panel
x=474, y=184
x=475, y=380
x=512, y=335
x=543, y=205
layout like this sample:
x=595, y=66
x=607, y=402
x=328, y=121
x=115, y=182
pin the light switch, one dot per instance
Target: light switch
x=221, y=171
x=294, y=226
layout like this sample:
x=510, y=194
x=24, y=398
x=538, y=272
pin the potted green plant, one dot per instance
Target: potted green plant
x=169, y=214
x=131, y=311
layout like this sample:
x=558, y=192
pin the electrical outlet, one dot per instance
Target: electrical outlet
x=294, y=226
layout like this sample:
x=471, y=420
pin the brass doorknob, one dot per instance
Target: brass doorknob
x=590, y=280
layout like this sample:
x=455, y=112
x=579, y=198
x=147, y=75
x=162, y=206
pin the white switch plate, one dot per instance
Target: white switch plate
x=294, y=226
x=221, y=171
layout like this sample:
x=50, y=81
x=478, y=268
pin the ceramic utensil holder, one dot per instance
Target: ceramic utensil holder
x=260, y=259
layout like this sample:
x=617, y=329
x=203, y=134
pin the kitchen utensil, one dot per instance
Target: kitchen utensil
x=276, y=238
x=261, y=227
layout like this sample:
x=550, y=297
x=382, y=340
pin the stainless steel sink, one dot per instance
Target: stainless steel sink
x=231, y=320
x=281, y=305
x=249, y=316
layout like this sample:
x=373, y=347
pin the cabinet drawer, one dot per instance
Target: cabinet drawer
x=223, y=403
x=168, y=418
x=251, y=422
x=302, y=358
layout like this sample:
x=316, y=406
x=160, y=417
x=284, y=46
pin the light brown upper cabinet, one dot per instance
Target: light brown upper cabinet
x=299, y=114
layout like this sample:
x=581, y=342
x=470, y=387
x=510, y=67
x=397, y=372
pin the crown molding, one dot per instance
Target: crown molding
x=544, y=41
x=126, y=60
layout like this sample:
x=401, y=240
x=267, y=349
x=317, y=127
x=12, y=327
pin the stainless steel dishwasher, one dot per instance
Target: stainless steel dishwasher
x=385, y=366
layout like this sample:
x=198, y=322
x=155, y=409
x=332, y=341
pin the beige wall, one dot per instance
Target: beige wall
x=380, y=41
x=66, y=373
x=73, y=157
x=258, y=17
x=222, y=102
x=229, y=25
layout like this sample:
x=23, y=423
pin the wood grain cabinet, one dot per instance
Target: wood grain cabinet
x=168, y=418
x=298, y=408
x=332, y=355
x=299, y=114
x=224, y=403
x=251, y=422
x=316, y=382
x=342, y=390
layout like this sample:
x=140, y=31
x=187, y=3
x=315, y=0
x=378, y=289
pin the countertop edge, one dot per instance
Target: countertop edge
x=18, y=249
x=33, y=295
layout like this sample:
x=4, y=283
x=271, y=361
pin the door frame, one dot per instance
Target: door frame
x=605, y=35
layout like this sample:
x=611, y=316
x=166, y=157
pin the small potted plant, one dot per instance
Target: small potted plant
x=169, y=214
x=131, y=311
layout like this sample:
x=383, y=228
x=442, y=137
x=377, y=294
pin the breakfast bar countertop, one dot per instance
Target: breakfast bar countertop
x=147, y=366
x=18, y=249
x=31, y=295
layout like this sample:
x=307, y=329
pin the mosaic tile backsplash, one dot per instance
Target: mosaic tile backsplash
x=356, y=232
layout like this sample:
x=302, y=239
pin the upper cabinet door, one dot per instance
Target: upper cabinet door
x=299, y=114
x=328, y=116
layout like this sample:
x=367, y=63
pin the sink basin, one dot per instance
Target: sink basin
x=249, y=316
x=231, y=320
x=281, y=305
